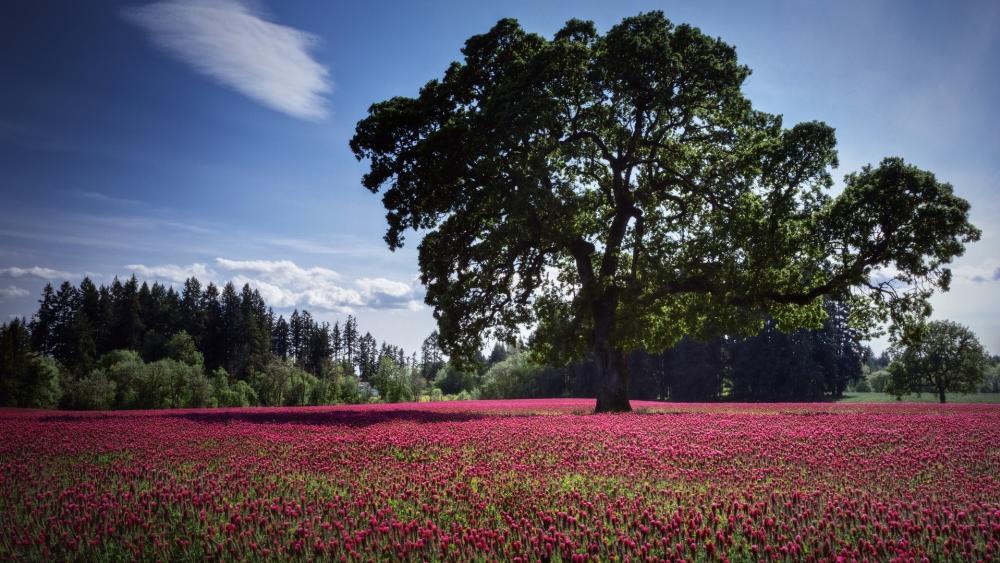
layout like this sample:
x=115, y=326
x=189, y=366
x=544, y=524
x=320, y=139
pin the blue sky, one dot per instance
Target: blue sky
x=210, y=138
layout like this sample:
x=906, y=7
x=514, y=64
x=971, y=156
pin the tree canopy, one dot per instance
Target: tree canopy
x=619, y=192
x=941, y=357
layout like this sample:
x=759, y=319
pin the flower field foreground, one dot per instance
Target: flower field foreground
x=488, y=480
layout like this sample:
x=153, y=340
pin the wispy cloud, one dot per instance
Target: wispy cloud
x=12, y=291
x=314, y=247
x=990, y=278
x=986, y=271
x=36, y=272
x=105, y=198
x=146, y=223
x=229, y=42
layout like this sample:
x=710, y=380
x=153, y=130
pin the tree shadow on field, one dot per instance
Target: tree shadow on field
x=313, y=417
x=351, y=418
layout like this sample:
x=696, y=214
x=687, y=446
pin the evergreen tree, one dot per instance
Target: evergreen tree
x=43, y=323
x=295, y=334
x=279, y=338
x=695, y=370
x=255, y=329
x=350, y=338
x=319, y=350
x=65, y=340
x=336, y=342
x=192, y=313
x=498, y=354
x=365, y=357
x=26, y=379
x=127, y=325
x=431, y=358
x=105, y=317
x=235, y=344
x=213, y=339
x=90, y=323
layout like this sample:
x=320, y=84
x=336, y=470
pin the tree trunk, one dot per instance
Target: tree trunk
x=941, y=395
x=612, y=393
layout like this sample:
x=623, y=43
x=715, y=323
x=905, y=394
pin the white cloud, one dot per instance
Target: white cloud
x=36, y=272
x=227, y=41
x=372, y=286
x=288, y=285
x=171, y=272
x=274, y=295
x=284, y=284
x=985, y=272
x=388, y=294
x=12, y=291
x=282, y=270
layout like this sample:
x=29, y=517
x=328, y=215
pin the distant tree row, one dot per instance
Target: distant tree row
x=132, y=345
x=805, y=365
x=233, y=328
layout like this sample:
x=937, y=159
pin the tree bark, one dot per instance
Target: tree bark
x=941, y=395
x=612, y=394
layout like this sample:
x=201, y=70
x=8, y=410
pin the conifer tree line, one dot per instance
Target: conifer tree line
x=75, y=350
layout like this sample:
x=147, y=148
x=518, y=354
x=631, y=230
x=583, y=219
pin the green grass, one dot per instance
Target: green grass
x=850, y=397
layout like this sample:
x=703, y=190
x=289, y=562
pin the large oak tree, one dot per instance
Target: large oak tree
x=619, y=191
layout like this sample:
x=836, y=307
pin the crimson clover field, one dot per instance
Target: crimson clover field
x=521, y=480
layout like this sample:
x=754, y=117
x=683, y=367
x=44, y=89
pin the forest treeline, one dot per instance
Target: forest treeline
x=132, y=345
x=141, y=345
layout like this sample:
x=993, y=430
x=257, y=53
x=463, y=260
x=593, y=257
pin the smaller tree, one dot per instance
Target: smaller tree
x=392, y=381
x=941, y=356
x=991, y=382
x=181, y=347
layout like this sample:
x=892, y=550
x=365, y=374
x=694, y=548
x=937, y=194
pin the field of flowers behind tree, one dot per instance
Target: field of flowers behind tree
x=525, y=480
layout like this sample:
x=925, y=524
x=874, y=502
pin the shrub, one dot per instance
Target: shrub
x=393, y=381
x=879, y=380
x=512, y=378
x=92, y=392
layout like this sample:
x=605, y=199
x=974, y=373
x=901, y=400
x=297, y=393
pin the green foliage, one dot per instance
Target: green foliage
x=91, y=392
x=879, y=380
x=282, y=384
x=620, y=191
x=514, y=377
x=860, y=386
x=991, y=380
x=126, y=370
x=156, y=347
x=393, y=381
x=452, y=379
x=940, y=357
x=232, y=394
x=26, y=379
x=181, y=347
